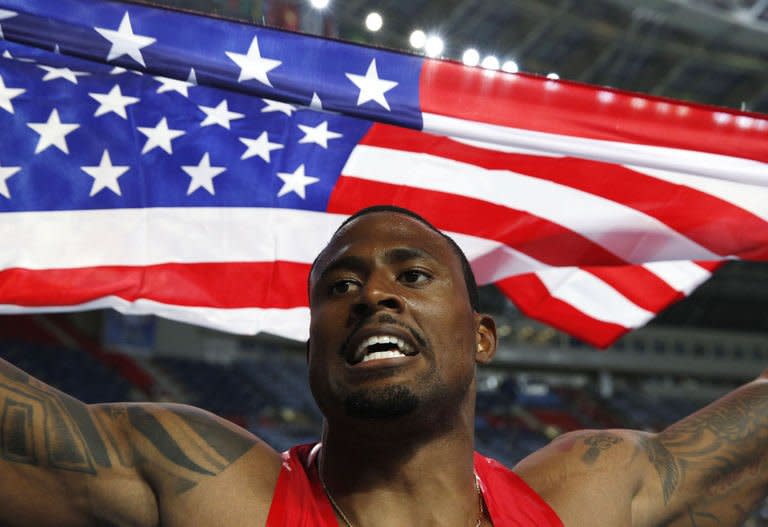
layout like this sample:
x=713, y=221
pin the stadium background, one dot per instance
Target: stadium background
x=543, y=382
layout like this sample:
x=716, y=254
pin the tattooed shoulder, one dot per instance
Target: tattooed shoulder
x=597, y=444
x=182, y=443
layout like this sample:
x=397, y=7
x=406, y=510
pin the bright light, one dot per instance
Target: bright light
x=490, y=63
x=418, y=39
x=319, y=4
x=471, y=57
x=374, y=21
x=553, y=76
x=510, y=66
x=433, y=47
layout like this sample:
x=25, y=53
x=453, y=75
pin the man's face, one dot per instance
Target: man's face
x=392, y=328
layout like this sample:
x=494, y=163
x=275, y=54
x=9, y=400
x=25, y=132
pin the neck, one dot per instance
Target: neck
x=392, y=474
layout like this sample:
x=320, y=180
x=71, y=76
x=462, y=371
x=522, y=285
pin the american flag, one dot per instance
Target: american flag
x=163, y=162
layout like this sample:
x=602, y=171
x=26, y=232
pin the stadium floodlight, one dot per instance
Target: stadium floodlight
x=471, y=57
x=490, y=63
x=374, y=21
x=434, y=45
x=418, y=39
x=510, y=66
x=319, y=4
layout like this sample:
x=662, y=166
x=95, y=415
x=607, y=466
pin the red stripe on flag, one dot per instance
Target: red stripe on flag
x=225, y=285
x=568, y=108
x=539, y=238
x=710, y=266
x=716, y=224
x=532, y=298
x=639, y=285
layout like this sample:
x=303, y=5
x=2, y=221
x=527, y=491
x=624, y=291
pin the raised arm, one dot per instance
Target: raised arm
x=711, y=468
x=65, y=463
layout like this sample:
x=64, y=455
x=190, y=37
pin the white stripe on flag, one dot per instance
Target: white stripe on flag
x=680, y=275
x=603, y=221
x=290, y=323
x=590, y=295
x=715, y=166
x=752, y=198
x=67, y=239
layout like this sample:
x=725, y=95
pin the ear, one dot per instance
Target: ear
x=485, y=337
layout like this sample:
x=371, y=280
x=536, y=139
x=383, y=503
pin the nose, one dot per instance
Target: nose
x=377, y=295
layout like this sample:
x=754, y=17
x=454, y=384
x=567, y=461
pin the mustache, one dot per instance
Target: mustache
x=384, y=318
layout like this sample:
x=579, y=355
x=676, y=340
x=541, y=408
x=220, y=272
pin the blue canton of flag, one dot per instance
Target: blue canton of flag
x=98, y=136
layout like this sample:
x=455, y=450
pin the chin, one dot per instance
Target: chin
x=392, y=402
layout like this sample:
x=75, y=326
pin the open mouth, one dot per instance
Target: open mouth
x=378, y=347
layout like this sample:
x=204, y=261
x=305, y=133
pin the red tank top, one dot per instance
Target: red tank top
x=299, y=499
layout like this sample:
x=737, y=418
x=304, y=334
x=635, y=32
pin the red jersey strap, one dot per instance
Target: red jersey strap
x=299, y=499
x=509, y=499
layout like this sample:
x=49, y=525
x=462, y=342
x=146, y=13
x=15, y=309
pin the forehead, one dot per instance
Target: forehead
x=377, y=232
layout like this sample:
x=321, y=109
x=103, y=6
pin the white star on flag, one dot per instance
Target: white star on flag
x=192, y=77
x=159, y=136
x=61, y=73
x=372, y=88
x=253, y=65
x=5, y=173
x=316, y=103
x=113, y=101
x=202, y=175
x=7, y=94
x=277, y=106
x=118, y=70
x=318, y=134
x=167, y=84
x=105, y=175
x=124, y=41
x=219, y=114
x=53, y=133
x=259, y=147
x=295, y=182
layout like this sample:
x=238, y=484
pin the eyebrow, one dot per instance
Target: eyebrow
x=357, y=263
x=354, y=263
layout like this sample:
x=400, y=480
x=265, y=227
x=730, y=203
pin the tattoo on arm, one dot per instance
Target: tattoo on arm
x=597, y=444
x=44, y=427
x=665, y=464
x=69, y=435
x=719, y=451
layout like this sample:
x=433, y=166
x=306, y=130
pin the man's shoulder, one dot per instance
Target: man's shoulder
x=586, y=471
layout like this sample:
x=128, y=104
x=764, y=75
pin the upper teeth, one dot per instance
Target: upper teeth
x=402, y=346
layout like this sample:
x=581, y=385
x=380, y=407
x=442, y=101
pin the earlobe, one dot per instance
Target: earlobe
x=485, y=335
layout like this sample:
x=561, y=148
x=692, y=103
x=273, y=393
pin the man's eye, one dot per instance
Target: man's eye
x=341, y=287
x=415, y=276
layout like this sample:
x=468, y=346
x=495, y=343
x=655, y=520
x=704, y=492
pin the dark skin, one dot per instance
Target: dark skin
x=398, y=435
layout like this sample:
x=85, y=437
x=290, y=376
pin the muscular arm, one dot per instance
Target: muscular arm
x=66, y=463
x=711, y=468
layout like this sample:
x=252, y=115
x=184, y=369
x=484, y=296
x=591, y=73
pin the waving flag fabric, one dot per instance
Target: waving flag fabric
x=162, y=162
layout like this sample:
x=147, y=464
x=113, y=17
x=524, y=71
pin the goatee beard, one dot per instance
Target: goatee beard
x=391, y=402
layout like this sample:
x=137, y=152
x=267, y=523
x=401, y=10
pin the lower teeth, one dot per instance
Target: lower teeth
x=382, y=355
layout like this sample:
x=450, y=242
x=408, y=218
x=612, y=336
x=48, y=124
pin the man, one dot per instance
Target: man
x=395, y=338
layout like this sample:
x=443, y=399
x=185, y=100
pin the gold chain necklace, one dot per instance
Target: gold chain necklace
x=348, y=523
